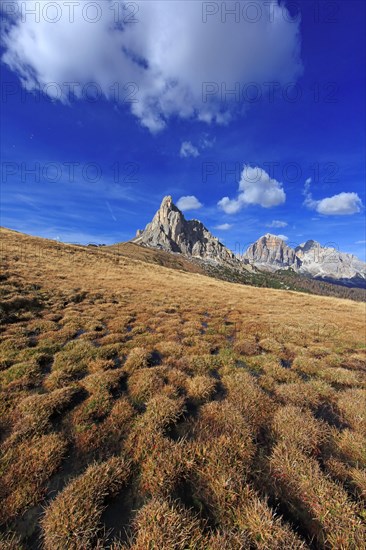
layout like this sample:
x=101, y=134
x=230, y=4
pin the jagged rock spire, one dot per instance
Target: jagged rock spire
x=169, y=230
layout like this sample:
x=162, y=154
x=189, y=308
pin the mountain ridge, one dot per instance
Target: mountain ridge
x=170, y=231
x=309, y=258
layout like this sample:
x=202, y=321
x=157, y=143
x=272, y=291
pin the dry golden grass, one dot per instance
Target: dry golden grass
x=25, y=469
x=206, y=408
x=73, y=519
x=299, y=428
x=166, y=525
x=319, y=504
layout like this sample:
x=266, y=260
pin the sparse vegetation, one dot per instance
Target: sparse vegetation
x=142, y=407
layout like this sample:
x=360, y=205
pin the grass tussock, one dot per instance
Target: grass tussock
x=299, y=428
x=34, y=414
x=166, y=525
x=318, y=503
x=25, y=468
x=72, y=520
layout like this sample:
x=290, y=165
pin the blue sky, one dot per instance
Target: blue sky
x=94, y=169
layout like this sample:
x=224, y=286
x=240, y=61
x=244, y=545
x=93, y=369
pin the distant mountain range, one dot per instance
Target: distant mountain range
x=312, y=259
x=170, y=231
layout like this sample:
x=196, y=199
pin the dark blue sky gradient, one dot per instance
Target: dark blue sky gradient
x=322, y=133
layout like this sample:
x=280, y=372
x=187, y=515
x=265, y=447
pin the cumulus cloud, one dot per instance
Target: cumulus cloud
x=159, y=65
x=277, y=224
x=256, y=187
x=343, y=204
x=188, y=150
x=224, y=226
x=189, y=202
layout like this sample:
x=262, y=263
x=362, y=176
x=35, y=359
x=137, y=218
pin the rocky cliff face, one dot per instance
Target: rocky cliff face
x=272, y=253
x=310, y=258
x=170, y=231
x=329, y=263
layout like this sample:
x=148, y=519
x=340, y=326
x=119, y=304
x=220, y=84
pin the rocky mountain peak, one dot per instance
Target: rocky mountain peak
x=307, y=246
x=170, y=231
x=309, y=258
x=272, y=252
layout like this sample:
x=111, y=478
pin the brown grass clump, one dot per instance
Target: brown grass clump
x=144, y=383
x=170, y=348
x=119, y=418
x=227, y=539
x=72, y=520
x=246, y=346
x=349, y=446
x=164, y=467
x=271, y=345
x=99, y=364
x=21, y=375
x=200, y=388
x=222, y=453
x=166, y=525
x=100, y=428
x=311, y=393
x=255, y=406
x=342, y=377
x=307, y=365
x=70, y=364
x=103, y=382
x=299, y=428
x=34, y=414
x=138, y=358
x=352, y=406
x=264, y=530
x=356, y=361
x=353, y=478
x=25, y=468
x=320, y=505
x=161, y=411
x=10, y=541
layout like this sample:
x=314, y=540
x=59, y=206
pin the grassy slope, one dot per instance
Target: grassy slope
x=285, y=279
x=191, y=408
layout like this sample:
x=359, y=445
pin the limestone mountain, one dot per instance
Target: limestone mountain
x=170, y=231
x=270, y=252
x=327, y=262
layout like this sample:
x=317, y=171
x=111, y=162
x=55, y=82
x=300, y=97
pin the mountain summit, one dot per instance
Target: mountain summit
x=272, y=253
x=170, y=231
x=329, y=263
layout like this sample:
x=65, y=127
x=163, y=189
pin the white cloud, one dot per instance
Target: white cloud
x=152, y=61
x=360, y=242
x=255, y=187
x=343, y=204
x=277, y=223
x=188, y=150
x=224, y=226
x=283, y=237
x=189, y=202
